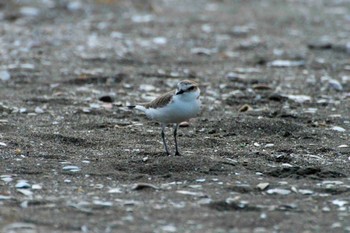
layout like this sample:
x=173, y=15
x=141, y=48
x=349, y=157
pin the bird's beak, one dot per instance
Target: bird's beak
x=179, y=92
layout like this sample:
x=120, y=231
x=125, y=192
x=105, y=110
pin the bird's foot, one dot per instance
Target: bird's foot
x=177, y=153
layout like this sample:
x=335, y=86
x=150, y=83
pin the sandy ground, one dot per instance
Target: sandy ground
x=268, y=153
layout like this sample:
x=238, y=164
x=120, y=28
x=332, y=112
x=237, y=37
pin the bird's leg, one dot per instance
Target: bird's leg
x=175, y=138
x=164, y=141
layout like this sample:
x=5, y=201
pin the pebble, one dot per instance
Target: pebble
x=338, y=128
x=232, y=76
x=115, y=190
x=335, y=84
x=306, y=191
x=74, y=6
x=343, y=146
x=19, y=227
x=184, y=124
x=29, y=11
x=147, y=87
x=3, y=144
x=339, y=203
x=4, y=197
x=142, y=18
x=25, y=192
x=159, y=40
x=261, y=87
x=143, y=186
x=278, y=191
x=203, y=51
x=4, y=75
x=22, y=184
x=6, y=178
x=245, y=108
x=189, y=193
x=262, y=186
x=36, y=187
x=299, y=98
x=169, y=228
x=39, y=110
x=320, y=44
x=102, y=203
x=286, y=63
x=71, y=168
x=106, y=99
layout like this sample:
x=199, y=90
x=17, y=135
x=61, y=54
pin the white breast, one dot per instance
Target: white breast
x=182, y=108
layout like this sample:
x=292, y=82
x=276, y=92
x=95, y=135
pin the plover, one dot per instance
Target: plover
x=173, y=107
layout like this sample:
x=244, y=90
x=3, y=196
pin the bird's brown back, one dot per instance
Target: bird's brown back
x=161, y=101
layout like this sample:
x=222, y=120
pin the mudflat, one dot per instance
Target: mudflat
x=268, y=153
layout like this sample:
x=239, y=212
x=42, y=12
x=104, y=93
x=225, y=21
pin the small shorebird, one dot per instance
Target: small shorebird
x=173, y=107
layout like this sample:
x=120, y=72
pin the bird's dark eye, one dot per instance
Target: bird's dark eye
x=191, y=88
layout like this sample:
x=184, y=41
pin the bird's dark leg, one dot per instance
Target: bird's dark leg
x=175, y=138
x=164, y=141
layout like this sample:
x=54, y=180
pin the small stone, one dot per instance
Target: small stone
x=245, y=108
x=115, y=190
x=39, y=110
x=268, y=145
x=261, y=87
x=71, y=168
x=106, y=99
x=306, y=191
x=169, y=228
x=286, y=63
x=232, y=76
x=335, y=84
x=102, y=203
x=22, y=184
x=142, y=18
x=36, y=187
x=4, y=75
x=27, y=66
x=184, y=124
x=299, y=98
x=29, y=11
x=22, y=110
x=189, y=193
x=74, y=5
x=20, y=227
x=159, y=40
x=25, y=192
x=336, y=225
x=3, y=144
x=338, y=128
x=343, y=146
x=18, y=151
x=262, y=186
x=143, y=186
x=6, y=178
x=4, y=197
x=339, y=203
x=147, y=87
x=320, y=44
x=278, y=191
x=202, y=51
x=240, y=188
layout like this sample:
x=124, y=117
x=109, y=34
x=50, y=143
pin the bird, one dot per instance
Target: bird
x=173, y=107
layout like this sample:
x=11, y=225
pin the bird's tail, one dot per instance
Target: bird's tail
x=138, y=107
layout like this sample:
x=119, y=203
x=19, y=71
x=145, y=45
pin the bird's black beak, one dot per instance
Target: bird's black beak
x=179, y=92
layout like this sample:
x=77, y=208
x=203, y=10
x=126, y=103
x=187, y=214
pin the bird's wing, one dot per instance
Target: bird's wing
x=161, y=101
